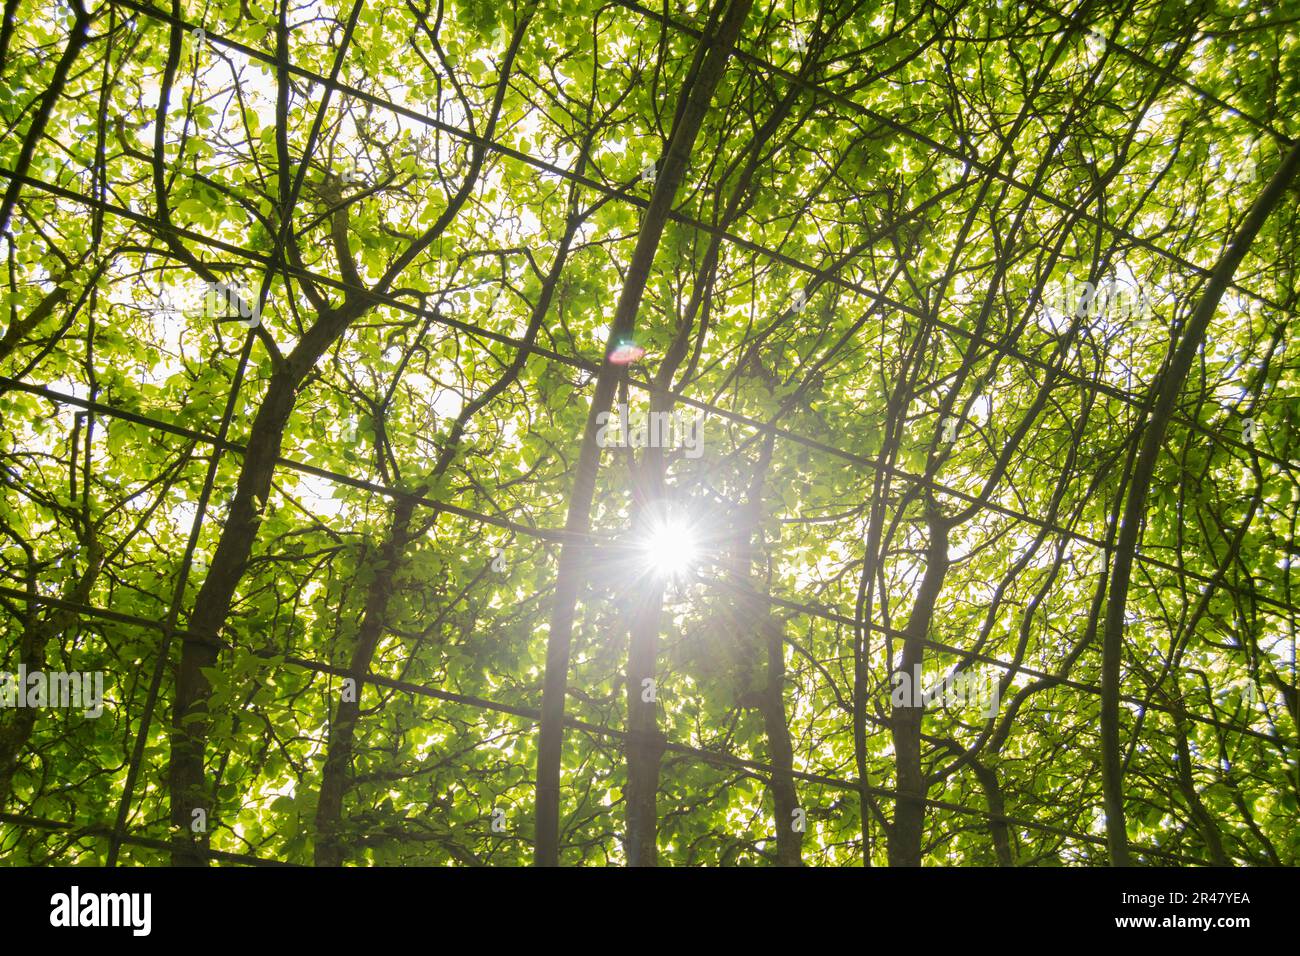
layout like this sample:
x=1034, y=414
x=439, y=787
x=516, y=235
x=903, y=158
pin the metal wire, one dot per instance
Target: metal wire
x=534, y=714
x=275, y=262
x=1128, y=398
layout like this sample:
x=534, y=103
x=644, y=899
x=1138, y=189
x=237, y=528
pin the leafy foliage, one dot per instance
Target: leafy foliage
x=884, y=224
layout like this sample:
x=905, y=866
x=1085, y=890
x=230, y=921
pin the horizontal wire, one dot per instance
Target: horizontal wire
x=595, y=541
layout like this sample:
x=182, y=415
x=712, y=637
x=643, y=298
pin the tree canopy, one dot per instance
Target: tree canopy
x=600, y=433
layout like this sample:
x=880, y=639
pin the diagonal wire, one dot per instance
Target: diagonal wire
x=1135, y=401
x=950, y=152
x=559, y=535
x=803, y=607
x=1153, y=68
x=393, y=301
x=736, y=417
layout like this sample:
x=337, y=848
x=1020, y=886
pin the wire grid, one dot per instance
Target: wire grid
x=275, y=263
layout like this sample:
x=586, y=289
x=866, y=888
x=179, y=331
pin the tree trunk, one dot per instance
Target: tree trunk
x=199, y=649
x=212, y=605
x=785, y=798
x=330, y=851
x=771, y=693
x=997, y=808
x=17, y=730
x=1167, y=390
x=711, y=57
x=644, y=742
x=645, y=745
x=909, y=803
x=338, y=760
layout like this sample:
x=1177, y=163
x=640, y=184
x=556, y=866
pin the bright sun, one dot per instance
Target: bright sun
x=671, y=549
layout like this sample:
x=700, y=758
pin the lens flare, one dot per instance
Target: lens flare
x=625, y=353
